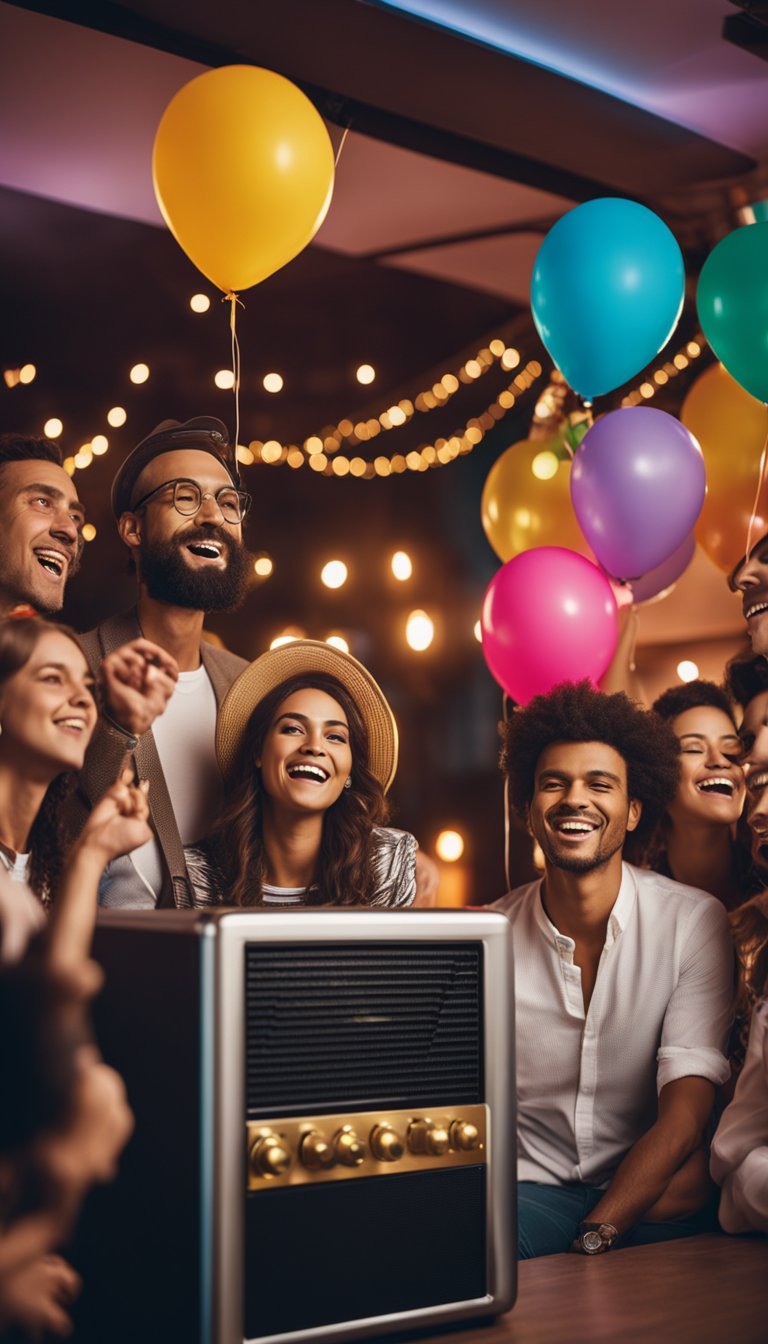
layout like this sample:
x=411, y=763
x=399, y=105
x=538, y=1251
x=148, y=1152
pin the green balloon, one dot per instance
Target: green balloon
x=732, y=301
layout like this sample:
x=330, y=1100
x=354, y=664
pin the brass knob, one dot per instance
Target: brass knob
x=269, y=1156
x=386, y=1145
x=347, y=1148
x=428, y=1137
x=465, y=1136
x=315, y=1152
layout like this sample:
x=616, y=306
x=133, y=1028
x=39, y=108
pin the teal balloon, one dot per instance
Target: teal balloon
x=732, y=300
x=607, y=292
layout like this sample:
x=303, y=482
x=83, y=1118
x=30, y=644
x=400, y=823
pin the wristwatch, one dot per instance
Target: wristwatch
x=595, y=1238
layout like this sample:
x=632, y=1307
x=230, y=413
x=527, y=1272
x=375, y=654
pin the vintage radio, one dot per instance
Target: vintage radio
x=325, y=1137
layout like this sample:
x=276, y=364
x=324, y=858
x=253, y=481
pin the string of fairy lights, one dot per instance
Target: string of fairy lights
x=321, y=452
x=331, y=451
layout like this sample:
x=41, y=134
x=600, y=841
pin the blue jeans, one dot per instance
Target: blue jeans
x=548, y=1217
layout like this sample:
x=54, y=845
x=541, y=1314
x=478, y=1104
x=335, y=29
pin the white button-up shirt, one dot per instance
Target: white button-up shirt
x=661, y=1009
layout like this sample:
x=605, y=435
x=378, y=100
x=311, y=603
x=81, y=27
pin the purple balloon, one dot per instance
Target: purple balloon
x=637, y=486
x=665, y=575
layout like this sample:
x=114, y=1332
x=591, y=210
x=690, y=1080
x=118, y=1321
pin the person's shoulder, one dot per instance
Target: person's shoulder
x=394, y=866
x=662, y=896
x=223, y=659
x=515, y=902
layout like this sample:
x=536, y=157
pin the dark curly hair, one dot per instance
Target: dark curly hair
x=49, y=838
x=746, y=677
x=344, y=871
x=576, y=712
x=692, y=695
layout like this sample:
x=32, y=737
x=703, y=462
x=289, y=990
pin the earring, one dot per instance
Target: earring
x=348, y=782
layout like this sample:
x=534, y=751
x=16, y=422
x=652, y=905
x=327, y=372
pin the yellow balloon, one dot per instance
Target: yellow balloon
x=243, y=173
x=731, y=427
x=527, y=501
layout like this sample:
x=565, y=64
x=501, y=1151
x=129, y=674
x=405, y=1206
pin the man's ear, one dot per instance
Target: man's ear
x=634, y=814
x=129, y=528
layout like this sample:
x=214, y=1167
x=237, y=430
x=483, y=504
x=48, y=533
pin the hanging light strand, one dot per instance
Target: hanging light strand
x=323, y=457
x=660, y=376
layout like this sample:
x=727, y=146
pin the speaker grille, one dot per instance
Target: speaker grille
x=352, y=1026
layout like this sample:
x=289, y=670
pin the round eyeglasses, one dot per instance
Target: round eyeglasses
x=188, y=499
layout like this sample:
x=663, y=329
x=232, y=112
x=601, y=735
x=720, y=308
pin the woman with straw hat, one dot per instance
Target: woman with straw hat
x=307, y=745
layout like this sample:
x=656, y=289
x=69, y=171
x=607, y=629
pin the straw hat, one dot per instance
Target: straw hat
x=299, y=658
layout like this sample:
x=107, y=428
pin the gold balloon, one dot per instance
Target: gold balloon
x=243, y=173
x=731, y=427
x=527, y=500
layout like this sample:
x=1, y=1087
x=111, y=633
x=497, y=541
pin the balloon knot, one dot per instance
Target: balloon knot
x=232, y=298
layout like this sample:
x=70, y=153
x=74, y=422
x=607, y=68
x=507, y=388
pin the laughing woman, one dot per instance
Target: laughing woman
x=47, y=717
x=307, y=745
x=698, y=842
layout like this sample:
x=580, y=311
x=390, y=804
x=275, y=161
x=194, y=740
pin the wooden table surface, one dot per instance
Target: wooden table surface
x=699, y=1290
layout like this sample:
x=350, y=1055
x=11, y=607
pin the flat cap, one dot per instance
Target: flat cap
x=203, y=435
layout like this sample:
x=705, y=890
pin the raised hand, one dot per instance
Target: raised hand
x=137, y=681
x=119, y=822
x=35, y=1297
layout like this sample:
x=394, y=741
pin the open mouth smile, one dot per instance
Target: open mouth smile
x=72, y=725
x=574, y=828
x=754, y=609
x=719, y=784
x=53, y=562
x=206, y=550
x=303, y=770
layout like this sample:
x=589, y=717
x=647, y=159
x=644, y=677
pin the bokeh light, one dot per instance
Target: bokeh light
x=419, y=631
x=449, y=846
x=334, y=574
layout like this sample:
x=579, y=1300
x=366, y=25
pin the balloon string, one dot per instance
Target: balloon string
x=342, y=143
x=233, y=301
x=756, y=505
x=507, y=708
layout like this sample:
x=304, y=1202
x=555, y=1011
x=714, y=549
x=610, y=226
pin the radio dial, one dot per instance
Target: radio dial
x=315, y=1152
x=428, y=1138
x=386, y=1145
x=465, y=1136
x=347, y=1148
x=269, y=1156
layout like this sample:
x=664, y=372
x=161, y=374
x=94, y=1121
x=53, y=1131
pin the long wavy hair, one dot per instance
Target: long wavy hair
x=49, y=838
x=344, y=873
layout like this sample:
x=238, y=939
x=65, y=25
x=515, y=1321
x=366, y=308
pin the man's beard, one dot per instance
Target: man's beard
x=574, y=863
x=170, y=579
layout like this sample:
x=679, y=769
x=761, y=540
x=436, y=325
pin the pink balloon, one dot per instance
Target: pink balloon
x=548, y=616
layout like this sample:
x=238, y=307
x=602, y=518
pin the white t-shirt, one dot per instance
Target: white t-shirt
x=16, y=867
x=661, y=1009
x=185, y=737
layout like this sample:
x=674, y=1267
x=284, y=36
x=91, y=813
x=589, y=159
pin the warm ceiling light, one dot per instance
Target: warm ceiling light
x=245, y=455
x=449, y=846
x=139, y=373
x=313, y=444
x=199, y=303
x=225, y=379
x=263, y=566
x=402, y=566
x=544, y=465
x=687, y=670
x=89, y=532
x=365, y=374
x=419, y=631
x=116, y=417
x=510, y=359
x=272, y=382
x=99, y=444
x=52, y=428
x=84, y=458
x=271, y=452
x=27, y=373
x=334, y=574
x=338, y=642
x=288, y=636
x=478, y=632
x=68, y=465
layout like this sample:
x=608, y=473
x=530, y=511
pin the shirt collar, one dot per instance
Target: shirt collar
x=617, y=920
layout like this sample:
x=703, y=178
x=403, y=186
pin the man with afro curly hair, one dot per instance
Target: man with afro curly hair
x=624, y=986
